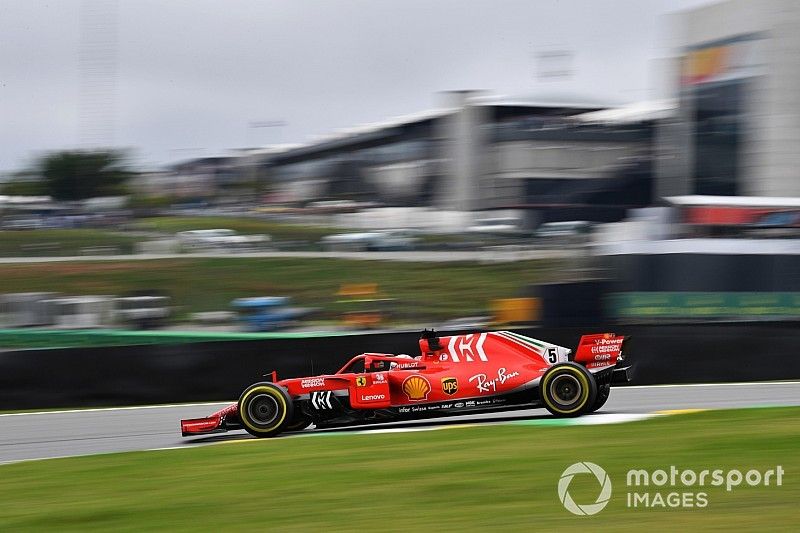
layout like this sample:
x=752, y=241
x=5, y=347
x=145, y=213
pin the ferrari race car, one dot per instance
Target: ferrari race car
x=453, y=375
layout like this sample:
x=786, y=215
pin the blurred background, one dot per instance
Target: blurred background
x=375, y=165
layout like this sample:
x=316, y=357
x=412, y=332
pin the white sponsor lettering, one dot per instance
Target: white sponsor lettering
x=490, y=385
x=372, y=397
x=312, y=382
x=415, y=364
x=379, y=378
x=605, y=348
x=616, y=341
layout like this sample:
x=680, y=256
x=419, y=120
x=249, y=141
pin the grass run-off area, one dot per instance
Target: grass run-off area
x=485, y=478
x=421, y=291
x=65, y=242
x=62, y=242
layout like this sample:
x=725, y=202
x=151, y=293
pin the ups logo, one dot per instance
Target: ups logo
x=449, y=386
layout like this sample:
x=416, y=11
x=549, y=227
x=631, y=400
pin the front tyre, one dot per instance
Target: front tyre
x=265, y=409
x=568, y=389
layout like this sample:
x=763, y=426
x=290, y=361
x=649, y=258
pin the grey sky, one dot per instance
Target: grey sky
x=191, y=75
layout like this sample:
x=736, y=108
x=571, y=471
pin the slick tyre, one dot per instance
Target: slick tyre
x=265, y=409
x=568, y=389
x=603, y=392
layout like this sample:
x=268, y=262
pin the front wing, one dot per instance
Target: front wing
x=223, y=420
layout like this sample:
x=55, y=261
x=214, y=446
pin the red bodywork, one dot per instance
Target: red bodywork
x=473, y=370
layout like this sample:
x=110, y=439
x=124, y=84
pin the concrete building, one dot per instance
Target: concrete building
x=482, y=153
x=735, y=75
x=199, y=178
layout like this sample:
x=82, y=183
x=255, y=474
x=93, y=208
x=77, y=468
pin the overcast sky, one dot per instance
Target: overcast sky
x=190, y=76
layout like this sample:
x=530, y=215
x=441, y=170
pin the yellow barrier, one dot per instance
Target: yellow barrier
x=358, y=289
x=363, y=306
x=516, y=310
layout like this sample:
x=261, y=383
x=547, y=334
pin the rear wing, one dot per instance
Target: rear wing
x=599, y=350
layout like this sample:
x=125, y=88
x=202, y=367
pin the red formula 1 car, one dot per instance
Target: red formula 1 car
x=453, y=375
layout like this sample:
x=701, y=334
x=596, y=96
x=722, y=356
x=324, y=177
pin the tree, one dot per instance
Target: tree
x=76, y=175
x=24, y=184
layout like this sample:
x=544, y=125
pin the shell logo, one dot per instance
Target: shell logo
x=416, y=388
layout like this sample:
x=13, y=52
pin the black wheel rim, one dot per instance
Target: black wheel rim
x=263, y=409
x=565, y=390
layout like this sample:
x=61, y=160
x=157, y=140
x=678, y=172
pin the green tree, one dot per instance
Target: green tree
x=76, y=175
x=22, y=185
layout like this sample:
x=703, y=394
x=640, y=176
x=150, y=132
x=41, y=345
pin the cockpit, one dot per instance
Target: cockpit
x=429, y=345
x=371, y=362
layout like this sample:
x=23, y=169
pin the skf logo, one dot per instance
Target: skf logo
x=361, y=381
x=416, y=388
x=449, y=386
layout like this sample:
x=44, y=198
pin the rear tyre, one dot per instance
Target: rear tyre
x=603, y=391
x=568, y=389
x=265, y=409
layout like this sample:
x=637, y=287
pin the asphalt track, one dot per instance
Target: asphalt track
x=25, y=436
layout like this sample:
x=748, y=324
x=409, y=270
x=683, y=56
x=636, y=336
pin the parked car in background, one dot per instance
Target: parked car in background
x=569, y=232
x=268, y=313
x=201, y=240
x=143, y=311
x=379, y=241
x=23, y=223
x=497, y=226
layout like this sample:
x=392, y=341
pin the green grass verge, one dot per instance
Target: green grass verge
x=423, y=291
x=497, y=478
x=49, y=242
